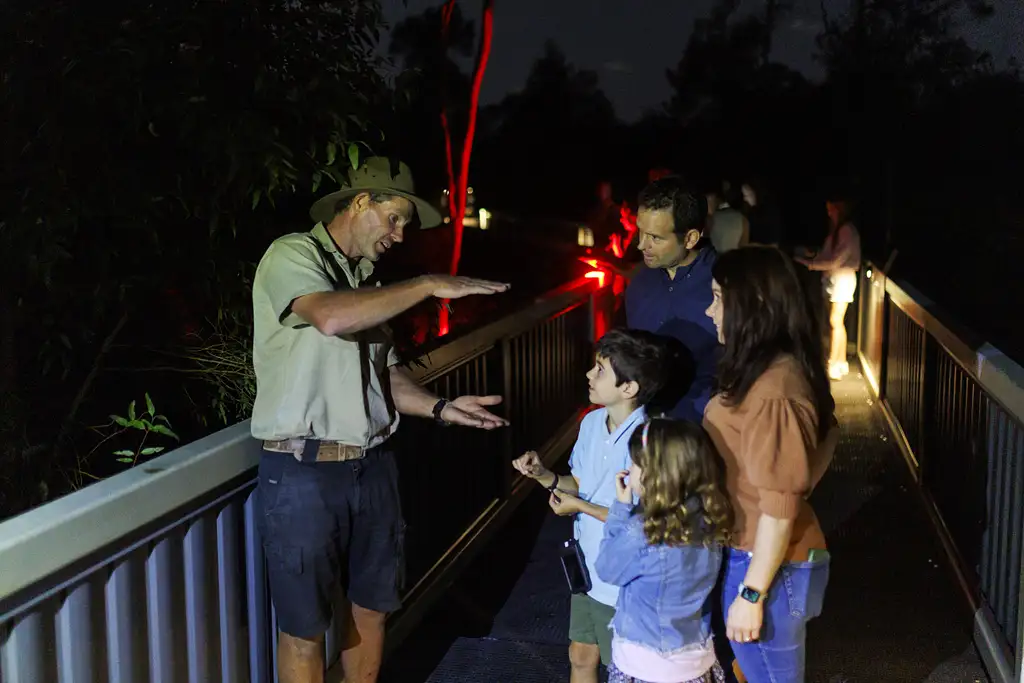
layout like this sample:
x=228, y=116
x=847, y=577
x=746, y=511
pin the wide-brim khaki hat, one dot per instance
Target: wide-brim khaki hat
x=376, y=174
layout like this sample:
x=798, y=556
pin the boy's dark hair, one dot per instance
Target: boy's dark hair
x=636, y=356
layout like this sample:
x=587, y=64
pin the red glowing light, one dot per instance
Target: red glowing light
x=442, y=322
x=598, y=275
x=615, y=245
x=618, y=285
x=457, y=186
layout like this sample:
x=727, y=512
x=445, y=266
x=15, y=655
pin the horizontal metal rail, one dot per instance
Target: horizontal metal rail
x=157, y=574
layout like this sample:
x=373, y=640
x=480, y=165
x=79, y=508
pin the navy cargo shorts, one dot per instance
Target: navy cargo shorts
x=330, y=526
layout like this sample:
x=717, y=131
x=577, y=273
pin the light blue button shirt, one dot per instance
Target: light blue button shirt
x=595, y=460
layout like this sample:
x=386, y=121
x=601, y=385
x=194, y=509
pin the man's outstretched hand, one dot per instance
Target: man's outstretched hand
x=456, y=287
x=470, y=411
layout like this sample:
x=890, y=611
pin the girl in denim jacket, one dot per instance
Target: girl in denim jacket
x=665, y=554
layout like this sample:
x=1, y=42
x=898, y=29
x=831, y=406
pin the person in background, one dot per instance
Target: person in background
x=628, y=370
x=665, y=554
x=727, y=228
x=772, y=421
x=670, y=294
x=762, y=214
x=838, y=260
x=603, y=219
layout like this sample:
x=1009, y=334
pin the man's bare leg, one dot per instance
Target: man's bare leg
x=300, y=660
x=364, y=645
x=584, y=658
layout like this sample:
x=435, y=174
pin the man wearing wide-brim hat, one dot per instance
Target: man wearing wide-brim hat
x=329, y=391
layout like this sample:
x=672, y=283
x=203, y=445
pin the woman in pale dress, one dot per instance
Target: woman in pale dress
x=838, y=260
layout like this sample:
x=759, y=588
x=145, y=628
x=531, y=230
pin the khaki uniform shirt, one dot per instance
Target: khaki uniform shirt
x=308, y=384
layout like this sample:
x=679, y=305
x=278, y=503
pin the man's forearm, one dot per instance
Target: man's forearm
x=409, y=397
x=349, y=311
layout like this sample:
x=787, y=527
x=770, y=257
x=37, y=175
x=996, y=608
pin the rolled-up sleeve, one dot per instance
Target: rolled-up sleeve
x=779, y=442
x=290, y=270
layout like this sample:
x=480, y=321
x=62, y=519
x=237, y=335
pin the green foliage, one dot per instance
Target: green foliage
x=143, y=425
x=155, y=148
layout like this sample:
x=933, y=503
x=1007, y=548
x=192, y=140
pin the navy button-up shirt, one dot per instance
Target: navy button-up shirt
x=676, y=308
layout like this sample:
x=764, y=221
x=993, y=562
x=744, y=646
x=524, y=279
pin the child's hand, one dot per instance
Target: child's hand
x=530, y=465
x=564, y=504
x=622, y=490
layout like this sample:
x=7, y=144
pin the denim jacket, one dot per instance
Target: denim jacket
x=663, y=601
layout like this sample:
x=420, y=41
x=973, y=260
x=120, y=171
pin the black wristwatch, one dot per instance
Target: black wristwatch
x=554, y=484
x=438, y=409
x=750, y=595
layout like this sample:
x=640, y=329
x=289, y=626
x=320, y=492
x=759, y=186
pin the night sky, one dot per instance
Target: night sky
x=630, y=43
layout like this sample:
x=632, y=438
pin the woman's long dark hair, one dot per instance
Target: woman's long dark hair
x=766, y=314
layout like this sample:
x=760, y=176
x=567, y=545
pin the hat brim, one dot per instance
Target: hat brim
x=323, y=210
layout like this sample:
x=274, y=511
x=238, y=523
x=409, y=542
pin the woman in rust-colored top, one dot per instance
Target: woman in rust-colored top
x=772, y=421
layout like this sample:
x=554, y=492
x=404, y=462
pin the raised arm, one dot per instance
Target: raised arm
x=836, y=251
x=348, y=311
x=294, y=279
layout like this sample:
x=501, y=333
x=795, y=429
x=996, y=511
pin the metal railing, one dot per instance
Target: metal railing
x=956, y=407
x=157, y=574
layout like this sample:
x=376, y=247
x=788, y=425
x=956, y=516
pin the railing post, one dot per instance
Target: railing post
x=883, y=332
x=508, y=442
x=1018, y=651
x=923, y=406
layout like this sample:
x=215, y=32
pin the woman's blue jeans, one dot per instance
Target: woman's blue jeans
x=794, y=598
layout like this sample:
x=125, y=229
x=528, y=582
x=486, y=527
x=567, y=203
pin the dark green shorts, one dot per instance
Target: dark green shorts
x=590, y=623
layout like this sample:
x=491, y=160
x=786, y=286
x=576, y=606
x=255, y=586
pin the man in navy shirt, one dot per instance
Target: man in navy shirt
x=670, y=295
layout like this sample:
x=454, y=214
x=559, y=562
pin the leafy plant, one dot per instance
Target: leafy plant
x=146, y=424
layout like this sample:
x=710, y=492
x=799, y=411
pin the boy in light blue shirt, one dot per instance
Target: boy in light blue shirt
x=628, y=371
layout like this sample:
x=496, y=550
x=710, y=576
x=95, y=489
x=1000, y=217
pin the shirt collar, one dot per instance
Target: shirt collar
x=704, y=260
x=635, y=418
x=363, y=269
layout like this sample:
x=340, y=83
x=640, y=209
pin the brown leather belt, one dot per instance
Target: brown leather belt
x=327, y=451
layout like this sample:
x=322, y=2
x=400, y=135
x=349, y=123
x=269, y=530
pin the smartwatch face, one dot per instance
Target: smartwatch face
x=749, y=594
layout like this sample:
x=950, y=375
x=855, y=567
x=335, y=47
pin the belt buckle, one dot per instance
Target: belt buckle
x=338, y=452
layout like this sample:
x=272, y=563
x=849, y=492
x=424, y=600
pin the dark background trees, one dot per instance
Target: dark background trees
x=153, y=151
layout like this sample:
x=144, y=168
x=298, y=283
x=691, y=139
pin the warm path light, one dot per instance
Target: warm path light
x=457, y=190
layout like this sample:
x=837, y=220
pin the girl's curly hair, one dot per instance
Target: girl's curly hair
x=683, y=484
